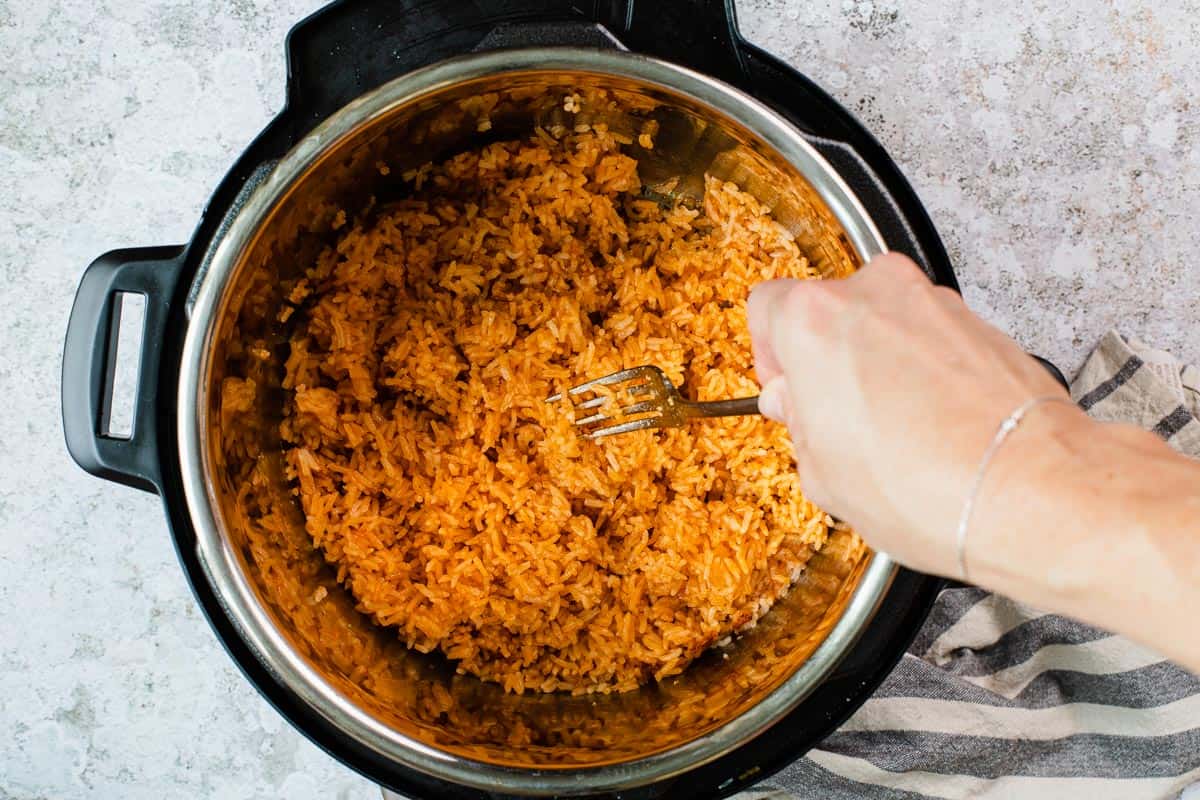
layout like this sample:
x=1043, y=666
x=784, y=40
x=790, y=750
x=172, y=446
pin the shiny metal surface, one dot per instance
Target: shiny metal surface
x=644, y=398
x=285, y=601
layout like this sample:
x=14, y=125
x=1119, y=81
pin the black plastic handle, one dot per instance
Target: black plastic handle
x=89, y=359
x=352, y=46
x=1054, y=371
x=700, y=33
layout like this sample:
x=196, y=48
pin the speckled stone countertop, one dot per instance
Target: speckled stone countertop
x=1056, y=145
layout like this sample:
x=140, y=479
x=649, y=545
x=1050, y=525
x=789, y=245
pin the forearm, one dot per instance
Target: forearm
x=1094, y=521
x=1099, y=522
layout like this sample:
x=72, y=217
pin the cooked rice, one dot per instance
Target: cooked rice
x=461, y=508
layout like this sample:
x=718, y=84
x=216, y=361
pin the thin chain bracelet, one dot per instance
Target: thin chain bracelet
x=1009, y=424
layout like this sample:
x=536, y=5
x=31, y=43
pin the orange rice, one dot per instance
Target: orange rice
x=457, y=505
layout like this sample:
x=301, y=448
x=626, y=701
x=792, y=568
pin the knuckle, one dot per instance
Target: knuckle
x=900, y=268
x=947, y=296
x=794, y=304
x=797, y=300
x=813, y=303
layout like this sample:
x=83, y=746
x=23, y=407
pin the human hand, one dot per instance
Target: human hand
x=892, y=389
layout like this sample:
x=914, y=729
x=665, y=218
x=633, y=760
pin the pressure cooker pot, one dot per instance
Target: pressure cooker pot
x=409, y=720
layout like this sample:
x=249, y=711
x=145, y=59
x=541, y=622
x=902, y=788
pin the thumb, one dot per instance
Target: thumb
x=774, y=400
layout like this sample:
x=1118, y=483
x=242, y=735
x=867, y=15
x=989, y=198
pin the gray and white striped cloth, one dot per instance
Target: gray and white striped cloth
x=997, y=700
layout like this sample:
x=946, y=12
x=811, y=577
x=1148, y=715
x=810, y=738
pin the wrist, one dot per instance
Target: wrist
x=1024, y=526
x=1097, y=521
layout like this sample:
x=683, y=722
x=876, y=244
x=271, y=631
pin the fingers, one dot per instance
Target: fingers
x=789, y=318
x=758, y=316
x=783, y=315
x=803, y=333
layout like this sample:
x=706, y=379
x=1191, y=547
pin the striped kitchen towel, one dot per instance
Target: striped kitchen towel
x=997, y=700
x=1131, y=382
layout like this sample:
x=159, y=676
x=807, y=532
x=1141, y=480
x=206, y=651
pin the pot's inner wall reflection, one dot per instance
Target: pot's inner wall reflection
x=420, y=695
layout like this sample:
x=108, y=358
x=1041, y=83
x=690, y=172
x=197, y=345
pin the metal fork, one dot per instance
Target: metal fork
x=658, y=404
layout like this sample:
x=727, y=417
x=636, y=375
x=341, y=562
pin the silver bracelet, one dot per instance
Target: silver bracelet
x=1006, y=427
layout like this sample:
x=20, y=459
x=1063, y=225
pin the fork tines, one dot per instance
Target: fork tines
x=640, y=381
x=607, y=380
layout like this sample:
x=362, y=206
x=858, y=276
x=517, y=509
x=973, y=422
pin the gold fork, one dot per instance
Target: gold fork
x=658, y=403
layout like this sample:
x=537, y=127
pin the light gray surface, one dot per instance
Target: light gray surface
x=1057, y=147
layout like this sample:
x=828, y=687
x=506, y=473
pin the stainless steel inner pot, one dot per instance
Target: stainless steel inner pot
x=413, y=708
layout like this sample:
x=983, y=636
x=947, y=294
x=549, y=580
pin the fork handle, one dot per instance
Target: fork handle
x=741, y=407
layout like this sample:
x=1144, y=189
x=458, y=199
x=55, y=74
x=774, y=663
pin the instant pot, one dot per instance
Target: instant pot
x=376, y=88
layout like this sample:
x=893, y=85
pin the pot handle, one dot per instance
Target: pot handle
x=89, y=358
x=702, y=33
x=1054, y=371
x=349, y=47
